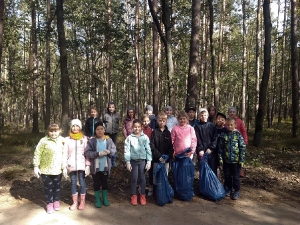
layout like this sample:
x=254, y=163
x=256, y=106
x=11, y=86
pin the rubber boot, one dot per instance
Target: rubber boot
x=75, y=202
x=82, y=202
x=98, y=203
x=104, y=196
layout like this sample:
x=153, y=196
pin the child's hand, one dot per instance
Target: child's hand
x=37, y=172
x=128, y=166
x=161, y=159
x=65, y=173
x=148, y=166
x=188, y=154
x=87, y=170
x=201, y=153
x=208, y=151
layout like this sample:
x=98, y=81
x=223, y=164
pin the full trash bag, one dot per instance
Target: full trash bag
x=183, y=175
x=209, y=184
x=164, y=191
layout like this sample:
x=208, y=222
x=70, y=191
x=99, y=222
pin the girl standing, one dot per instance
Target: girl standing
x=127, y=123
x=100, y=150
x=75, y=162
x=90, y=122
x=136, y=152
x=47, y=162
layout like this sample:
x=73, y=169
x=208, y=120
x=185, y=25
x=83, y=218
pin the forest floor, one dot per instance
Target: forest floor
x=270, y=191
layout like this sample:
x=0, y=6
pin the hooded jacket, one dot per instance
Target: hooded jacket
x=111, y=121
x=207, y=137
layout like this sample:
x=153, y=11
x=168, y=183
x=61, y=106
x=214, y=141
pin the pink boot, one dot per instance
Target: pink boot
x=75, y=202
x=82, y=202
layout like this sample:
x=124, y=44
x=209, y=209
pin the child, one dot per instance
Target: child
x=111, y=121
x=240, y=126
x=149, y=111
x=75, y=162
x=99, y=151
x=183, y=136
x=48, y=162
x=191, y=111
x=90, y=122
x=212, y=113
x=206, y=133
x=127, y=123
x=220, y=123
x=136, y=151
x=171, y=121
x=161, y=144
x=231, y=156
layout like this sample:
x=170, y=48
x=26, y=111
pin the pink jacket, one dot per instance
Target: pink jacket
x=127, y=126
x=73, y=154
x=240, y=126
x=183, y=137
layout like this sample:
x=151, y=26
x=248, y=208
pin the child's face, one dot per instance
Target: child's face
x=137, y=128
x=130, y=113
x=203, y=116
x=191, y=114
x=212, y=112
x=94, y=113
x=232, y=113
x=182, y=120
x=146, y=122
x=54, y=134
x=220, y=121
x=149, y=112
x=111, y=108
x=100, y=131
x=161, y=122
x=75, y=129
x=230, y=125
x=168, y=112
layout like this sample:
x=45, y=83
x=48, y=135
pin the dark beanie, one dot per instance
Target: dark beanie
x=99, y=124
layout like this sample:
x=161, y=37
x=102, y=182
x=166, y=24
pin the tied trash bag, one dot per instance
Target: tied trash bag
x=209, y=184
x=164, y=191
x=183, y=175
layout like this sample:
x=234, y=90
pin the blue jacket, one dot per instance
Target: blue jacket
x=137, y=148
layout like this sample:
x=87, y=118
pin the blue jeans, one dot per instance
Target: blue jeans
x=81, y=178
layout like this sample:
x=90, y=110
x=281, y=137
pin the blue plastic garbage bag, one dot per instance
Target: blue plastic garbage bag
x=183, y=175
x=209, y=184
x=164, y=191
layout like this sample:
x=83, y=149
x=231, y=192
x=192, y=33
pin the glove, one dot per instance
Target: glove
x=103, y=153
x=65, y=173
x=148, y=166
x=87, y=170
x=128, y=166
x=208, y=151
x=201, y=153
x=107, y=151
x=241, y=164
x=161, y=159
x=37, y=172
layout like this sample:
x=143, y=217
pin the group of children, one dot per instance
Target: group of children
x=146, y=140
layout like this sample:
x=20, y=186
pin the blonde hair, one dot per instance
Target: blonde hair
x=230, y=119
x=145, y=116
x=182, y=114
x=53, y=127
x=162, y=115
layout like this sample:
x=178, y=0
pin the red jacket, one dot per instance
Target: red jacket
x=240, y=126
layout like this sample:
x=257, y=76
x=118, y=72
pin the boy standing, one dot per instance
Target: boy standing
x=191, y=111
x=206, y=133
x=231, y=157
x=161, y=144
x=149, y=111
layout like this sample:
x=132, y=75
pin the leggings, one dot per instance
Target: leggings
x=100, y=178
x=51, y=187
x=138, y=171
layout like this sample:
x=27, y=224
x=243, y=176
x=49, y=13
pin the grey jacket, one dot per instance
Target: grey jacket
x=111, y=123
x=92, y=154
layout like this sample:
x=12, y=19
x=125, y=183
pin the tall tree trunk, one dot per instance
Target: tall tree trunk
x=244, y=66
x=194, y=55
x=155, y=62
x=294, y=72
x=1, y=91
x=47, y=76
x=266, y=74
x=63, y=68
x=137, y=56
x=280, y=111
x=108, y=62
x=257, y=55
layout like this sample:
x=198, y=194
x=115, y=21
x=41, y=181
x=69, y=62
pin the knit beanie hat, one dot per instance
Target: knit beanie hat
x=149, y=107
x=191, y=108
x=222, y=115
x=76, y=122
x=168, y=107
x=99, y=124
x=203, y=110
x=232, y=108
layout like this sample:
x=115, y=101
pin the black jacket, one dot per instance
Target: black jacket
x=161, y=144
x=89, y=126
x=206, y=137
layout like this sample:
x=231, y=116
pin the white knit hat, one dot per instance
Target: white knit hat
x=76, y=122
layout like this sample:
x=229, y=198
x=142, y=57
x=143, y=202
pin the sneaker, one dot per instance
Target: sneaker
x=227, y=192
x=236, y=195
x=143, y=200
x=50, y=208
x=56, y=205
x=133, y=200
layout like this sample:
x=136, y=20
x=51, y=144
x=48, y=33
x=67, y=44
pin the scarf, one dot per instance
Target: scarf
x=77, y=136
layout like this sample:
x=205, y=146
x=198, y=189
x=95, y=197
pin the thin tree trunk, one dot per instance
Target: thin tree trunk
x=47, y=76
x=63, y=67
x=257, y=56
x=155, y=62
x=1, y=91
x=265, y=78
x=137, y=56
x=194, y=55
x=244, y=66
x=108, y=62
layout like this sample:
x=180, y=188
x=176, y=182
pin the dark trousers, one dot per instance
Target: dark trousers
x=212, y=161
x=100, y=178
x=151, y=174
x=51, y=187
x=138, y=171
x=231, y=176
